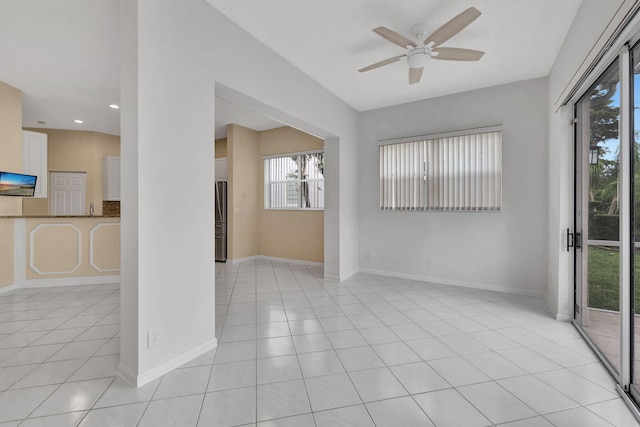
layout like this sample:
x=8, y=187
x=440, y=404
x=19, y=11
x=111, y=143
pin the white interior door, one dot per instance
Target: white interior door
x=68, y=193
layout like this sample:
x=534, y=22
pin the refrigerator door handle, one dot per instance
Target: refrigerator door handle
x=218, y=208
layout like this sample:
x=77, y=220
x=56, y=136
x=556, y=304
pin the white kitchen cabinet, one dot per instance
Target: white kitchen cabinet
x=111, y=178
x=221, y=169
x=34, y=160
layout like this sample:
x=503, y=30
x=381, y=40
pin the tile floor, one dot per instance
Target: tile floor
x=297, y=350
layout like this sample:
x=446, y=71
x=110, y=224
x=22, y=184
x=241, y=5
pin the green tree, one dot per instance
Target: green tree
x=604, y=119
x=603, y=126
x=603, y=116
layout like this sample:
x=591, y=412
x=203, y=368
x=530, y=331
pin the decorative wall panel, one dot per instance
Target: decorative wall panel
x=55, y=249
x=104, y=247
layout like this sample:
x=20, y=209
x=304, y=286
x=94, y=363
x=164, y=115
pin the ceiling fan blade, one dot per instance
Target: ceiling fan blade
x=457, y=54
x=415, y=74
x=394, y=37
x=453, y=26
x=382, y=63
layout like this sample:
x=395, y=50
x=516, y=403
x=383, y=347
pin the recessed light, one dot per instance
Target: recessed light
x=114, y=106
x=78, y=121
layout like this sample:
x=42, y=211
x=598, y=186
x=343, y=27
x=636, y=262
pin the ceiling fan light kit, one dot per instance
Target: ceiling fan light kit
x=419, y=55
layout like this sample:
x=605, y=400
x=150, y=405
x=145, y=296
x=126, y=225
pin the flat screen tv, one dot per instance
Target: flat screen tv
x=17, y=184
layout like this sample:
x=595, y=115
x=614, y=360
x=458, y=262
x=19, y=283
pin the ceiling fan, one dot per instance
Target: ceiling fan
x=418, y=55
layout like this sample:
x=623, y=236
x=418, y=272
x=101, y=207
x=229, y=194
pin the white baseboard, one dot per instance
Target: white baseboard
x=70, y=281
x=169, y=366
x=348, y=276
x=126, y=374
x=61, y=281
x=562, y=317
x=275, y=259
x=8, y=288
x=465, y=284
x=551, y=306
x=289, y=261
x=239, y=260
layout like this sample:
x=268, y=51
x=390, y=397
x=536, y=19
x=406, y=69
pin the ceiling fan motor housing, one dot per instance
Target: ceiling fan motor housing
x=419, y=56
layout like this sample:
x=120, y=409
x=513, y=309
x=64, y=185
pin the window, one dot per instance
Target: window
x=294, y=181
x=450, y=172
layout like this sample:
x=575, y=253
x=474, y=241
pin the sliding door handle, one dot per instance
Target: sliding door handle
x=574, y=240
x=570, y=240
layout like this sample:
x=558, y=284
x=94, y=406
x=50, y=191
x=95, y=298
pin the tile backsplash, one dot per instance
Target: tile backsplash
x=111, y=208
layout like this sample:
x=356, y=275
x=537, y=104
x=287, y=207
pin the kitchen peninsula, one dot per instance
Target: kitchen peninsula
x=59, y=250
x=41, y=250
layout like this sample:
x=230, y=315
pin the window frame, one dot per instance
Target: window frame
x=298, y=181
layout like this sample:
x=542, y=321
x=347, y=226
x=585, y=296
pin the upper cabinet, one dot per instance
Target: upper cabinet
x=221, y=169
x=34, y=160
x=111, y=178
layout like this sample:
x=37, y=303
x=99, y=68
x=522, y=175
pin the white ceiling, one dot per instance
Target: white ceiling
x=330, y=40
x=64, y=55
x=227, y=112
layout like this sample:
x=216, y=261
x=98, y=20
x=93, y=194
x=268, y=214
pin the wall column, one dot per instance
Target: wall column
x=168, y=274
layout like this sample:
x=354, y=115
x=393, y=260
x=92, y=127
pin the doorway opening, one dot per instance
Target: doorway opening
x=328, y=222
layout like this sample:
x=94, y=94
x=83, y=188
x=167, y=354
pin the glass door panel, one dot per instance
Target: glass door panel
x=635, y=260
x=597, y=215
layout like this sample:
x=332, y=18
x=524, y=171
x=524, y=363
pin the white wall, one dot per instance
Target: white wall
x=168, y=280
x=286, y=91
x=503, y=250
x=130, y=339
x=184, y=51
x=595, y=22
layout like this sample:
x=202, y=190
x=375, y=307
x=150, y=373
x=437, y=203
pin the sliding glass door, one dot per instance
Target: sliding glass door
x=635, y=258
x=598, y=215
x=607, y=217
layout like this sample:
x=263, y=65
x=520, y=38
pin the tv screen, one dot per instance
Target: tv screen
x=17, y=184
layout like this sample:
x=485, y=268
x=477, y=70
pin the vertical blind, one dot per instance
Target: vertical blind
x=456, y=173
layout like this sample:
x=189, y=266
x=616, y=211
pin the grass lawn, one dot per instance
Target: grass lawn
x=604, y=273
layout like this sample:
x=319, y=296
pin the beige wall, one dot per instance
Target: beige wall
x=221, y=148
x=6, y=252
x=288, y=234
x=72, y=247
x=292, y=235
x=10, y=143
x=253, y=230
x=243, y=168
x=76, y=151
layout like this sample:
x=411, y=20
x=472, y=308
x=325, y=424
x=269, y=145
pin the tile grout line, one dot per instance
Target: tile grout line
x=314, y=290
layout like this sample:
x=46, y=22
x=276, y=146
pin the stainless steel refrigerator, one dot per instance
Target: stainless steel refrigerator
x=221, y=220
